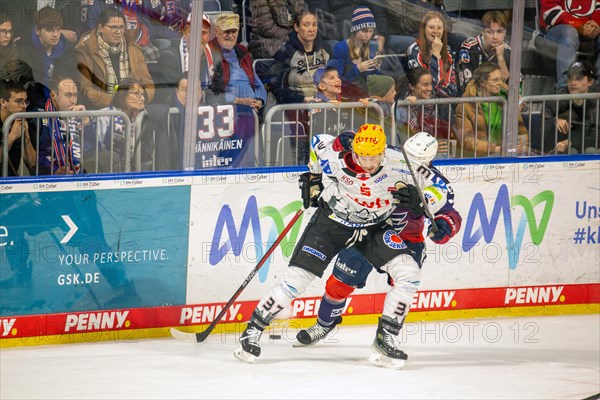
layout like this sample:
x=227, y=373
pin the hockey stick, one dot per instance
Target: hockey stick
x=428, y=212
x=201, y=336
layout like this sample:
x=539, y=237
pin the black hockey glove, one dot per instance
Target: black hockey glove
x=445, y=230
x=311, y=186
x=408, y=197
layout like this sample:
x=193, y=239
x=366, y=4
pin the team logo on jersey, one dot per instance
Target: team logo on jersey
x=393, y=241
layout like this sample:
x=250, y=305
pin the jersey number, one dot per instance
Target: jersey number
x=216, y=120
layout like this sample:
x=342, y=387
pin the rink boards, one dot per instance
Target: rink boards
x=129, y=256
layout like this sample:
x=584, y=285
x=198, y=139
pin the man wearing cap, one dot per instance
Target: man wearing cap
x=573, y=125
x=233, y=77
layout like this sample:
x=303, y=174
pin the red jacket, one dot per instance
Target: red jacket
x=571, y=12
x=221, y=75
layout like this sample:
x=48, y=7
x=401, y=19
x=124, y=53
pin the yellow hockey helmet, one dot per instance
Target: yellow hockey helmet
x=369, y=140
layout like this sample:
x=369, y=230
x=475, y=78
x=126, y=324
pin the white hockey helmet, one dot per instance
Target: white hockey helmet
x=421, y=148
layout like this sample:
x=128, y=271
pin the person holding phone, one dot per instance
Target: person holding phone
x=356, y=57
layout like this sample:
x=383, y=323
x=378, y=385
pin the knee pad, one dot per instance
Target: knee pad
x=405, y=272
x=336, y=289
x=352, y=268
x=295, y=281
x=291, y=285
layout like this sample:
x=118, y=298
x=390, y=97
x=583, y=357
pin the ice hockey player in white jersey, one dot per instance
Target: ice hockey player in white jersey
x=398, y=249
x=355, y=191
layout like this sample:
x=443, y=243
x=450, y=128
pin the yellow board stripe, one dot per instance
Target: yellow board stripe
x=370, y=319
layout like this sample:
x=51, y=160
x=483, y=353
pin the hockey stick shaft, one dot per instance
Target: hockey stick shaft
x=428, y=212
x=201, y=336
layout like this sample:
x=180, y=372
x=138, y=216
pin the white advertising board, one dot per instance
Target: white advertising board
x=523, y=224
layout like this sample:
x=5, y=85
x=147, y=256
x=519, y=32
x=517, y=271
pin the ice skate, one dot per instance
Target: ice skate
x=249, y=348
x=385, y=350
x=315, y=333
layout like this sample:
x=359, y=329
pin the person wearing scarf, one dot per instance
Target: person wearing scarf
x=60, y=151
x=104, y=58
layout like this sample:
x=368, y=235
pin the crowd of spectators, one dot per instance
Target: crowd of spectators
x=133, y=56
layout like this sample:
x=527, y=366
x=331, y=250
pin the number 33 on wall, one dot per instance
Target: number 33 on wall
x=217, y=120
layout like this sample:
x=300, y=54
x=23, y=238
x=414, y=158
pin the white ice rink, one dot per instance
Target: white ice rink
x=517, y=358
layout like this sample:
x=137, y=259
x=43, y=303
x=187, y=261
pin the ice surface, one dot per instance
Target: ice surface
x=516, y=358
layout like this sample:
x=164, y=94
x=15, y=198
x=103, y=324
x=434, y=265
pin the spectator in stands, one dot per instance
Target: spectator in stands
x=566, y=23
x=382, y=90
x=404, y=21
x=479, y=125
x=335, y=19
x=165, y=18
x=8, y=50
x=573, y=126
x=13, y=99
x=417, y=84
x=297, y=61
x=104, y=58
x=174, y=60
x=60, y=150
x=19, y=71
x=130, y=97
x=233, y=78
x=22, y=12
x=328, y=83
x=46, y=50
x=431, y=51
x=355, y=57
x=271, y=22
x=489, y=46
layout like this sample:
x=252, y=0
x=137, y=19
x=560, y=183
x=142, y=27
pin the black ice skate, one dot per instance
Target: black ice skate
x=315, y=333
x=249, y=347
x=385, y=350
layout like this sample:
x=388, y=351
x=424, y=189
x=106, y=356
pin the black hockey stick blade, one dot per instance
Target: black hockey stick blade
x=201, y=336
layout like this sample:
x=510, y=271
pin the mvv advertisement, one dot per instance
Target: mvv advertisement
x=93, y=249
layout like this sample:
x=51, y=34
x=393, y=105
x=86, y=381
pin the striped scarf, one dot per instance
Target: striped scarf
x=105, y=50
x=63, y=152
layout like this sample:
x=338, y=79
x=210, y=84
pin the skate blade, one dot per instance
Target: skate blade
x=380, y=360
x=241, y=355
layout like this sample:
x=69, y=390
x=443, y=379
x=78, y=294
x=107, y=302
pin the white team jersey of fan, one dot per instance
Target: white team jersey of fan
x=357, y=198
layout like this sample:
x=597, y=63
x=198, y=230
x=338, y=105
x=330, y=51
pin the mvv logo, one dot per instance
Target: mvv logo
x=503, y=203
x=237, y=238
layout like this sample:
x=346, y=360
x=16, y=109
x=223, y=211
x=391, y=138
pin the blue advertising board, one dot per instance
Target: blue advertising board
x=93, y=249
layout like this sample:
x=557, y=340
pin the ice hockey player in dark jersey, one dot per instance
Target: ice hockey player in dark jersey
x=355, y=192
x=398, y=249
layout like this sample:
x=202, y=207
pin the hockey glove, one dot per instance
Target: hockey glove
x=408, y=197
x=311, y=186
x=445, y=230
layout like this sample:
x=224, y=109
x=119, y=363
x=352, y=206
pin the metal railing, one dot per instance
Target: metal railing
x=39, y=115
x=300, y=127
x=140, y=133
x=538, y=116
